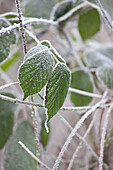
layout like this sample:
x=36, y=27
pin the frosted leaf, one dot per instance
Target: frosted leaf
x=6, y=40
x=35, y=50
x=61, y=8
x=34, y=72
x=56, y=89
x=102, y=56
x=105, y=76
x=7, y=111
x=15, y=156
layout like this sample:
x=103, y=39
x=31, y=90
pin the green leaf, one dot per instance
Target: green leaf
x=61, y=8
x=16, y=158
x=105, y=76
x=89, y=23
x=5, y=40
x=37, y=8
x=102, y=56
x=56, y=89
x=35, y=71
x=82, y=81
x=53, y=50
x=10, y=61
x=7, y=110
x=37, y=49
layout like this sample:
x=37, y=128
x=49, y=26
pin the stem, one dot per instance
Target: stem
x=21, y=25
x=17, y=101
x=77, y=126
x=103, y=138
x=35, y=125
x=33, y=156
x=85, y=93
x=104, y=14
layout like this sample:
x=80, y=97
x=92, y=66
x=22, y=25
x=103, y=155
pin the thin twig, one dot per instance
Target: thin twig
x=104, y=14
x=85, y=93
x=21, y=25
x=80, y=144
x=103, y=137
x=77, y=126
x=8, y=85
x=33, y=156
x=17, y=101
x=29, y=22
x=84, y=108
x=31, y=35
x=35, y=125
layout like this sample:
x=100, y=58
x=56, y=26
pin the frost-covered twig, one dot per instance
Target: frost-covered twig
x=8, y=85
x=35, y=125
x=82, y=139
x=104, y=14
x=17, y=101
x=29, y=22
x=84, y=108
x=31, y=35
x=71, y=12
x=33, y=156
x=73, y=51
x=77, y=126
x=21, y=24
x=80, y=144
x=103, y=137
x=85, y=93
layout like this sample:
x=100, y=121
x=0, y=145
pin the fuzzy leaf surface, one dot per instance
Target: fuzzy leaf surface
x=105, y=76
x=5, y=40
x=7, y=111
x=57, y=89
x=34, y=72
x=37, y=8
x=16, y=157
x=102, y=56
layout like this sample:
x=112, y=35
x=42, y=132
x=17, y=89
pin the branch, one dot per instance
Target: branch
x=85, y=93
x=104, y=14
x=21, y=25
x=33, y=156
x=29, y=22
x=77, y=126
x=103, y=138
x=17, y=101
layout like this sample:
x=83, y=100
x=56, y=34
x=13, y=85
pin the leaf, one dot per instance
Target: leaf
x=102, y=56
x=56, y=89
x=61, y=8
x=7, y=110
x=39, y=9
x=5, y=40
x=89, y=23
x=35, y=71
x=10, y=61
x=37, y=49
x=53, y=50
x=82, y=81
x=105, y=76
x=16, y=158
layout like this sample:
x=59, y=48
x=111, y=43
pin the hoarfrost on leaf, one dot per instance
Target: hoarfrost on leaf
x=56, y=89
